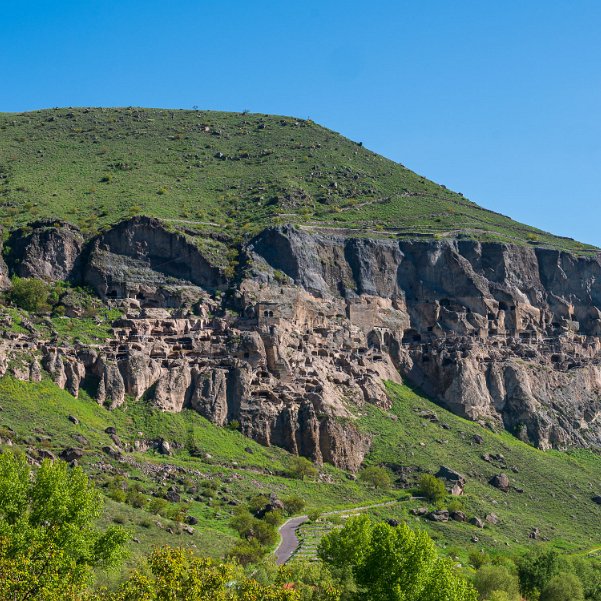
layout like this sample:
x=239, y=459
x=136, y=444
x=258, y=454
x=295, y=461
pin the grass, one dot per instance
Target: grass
x=209, y=171
x=557, y=486
x=36, y=416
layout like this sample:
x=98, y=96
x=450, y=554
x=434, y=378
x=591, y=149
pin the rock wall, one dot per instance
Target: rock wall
x=494, y=332
x=314, y=323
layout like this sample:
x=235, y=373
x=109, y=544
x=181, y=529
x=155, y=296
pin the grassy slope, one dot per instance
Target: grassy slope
x=206, y=170
x=38, y=416
x=557, y=486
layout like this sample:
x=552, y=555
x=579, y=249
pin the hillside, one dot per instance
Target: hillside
x=210, y=171
x=213, y=470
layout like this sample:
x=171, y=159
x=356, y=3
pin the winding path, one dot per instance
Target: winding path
x=289, y=541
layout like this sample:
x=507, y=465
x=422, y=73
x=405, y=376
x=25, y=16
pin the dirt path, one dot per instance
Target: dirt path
x=290, y=543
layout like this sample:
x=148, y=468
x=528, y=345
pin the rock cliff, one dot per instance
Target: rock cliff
x=315, y=321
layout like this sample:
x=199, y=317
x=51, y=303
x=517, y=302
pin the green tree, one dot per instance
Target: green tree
x=302, y=468
x=563, y=587
x=293, y=504
x=432, y=488
x=535, y=570
x=490, y=578
x=179, y=575
x=376, y=477
x=49, y=543
x=30, y=294
x=393, y=563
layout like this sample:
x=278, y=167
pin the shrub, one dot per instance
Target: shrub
x=563, y=587
x=293, y=505
x=301, y=468
x=490, y=578
x=535, y=570
x=376, y=477
x=157, y=506
x=135, y=499
x=432, y=488
x=30, y=294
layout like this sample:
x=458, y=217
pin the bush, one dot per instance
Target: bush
x=157, y=506
x=301, y=468
x=293, y=505
x=563, y=587
x=535, y=570
x=135, y=499
x=490, y=578
x=376, y=477
x=432, y=488
x=30, y=294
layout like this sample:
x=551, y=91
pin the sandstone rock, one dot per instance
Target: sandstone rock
x=458, y=516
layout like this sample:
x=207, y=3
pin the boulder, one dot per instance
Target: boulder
x=500, y=481
x=71, y=454
x=476, y=521
x=441, y=515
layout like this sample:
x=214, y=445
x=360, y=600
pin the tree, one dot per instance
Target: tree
x=49, y=543
x=393, y=563
x=535, y=570
x=563, y=587
x=179, y=575
x=293, y=504
x=301, y=468
x=377, y=477
x=432, y=488
x=30, y=294
x=492, y=578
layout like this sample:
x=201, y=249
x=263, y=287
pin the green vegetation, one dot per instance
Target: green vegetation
x=30, y=294
x=431, y=488
x=393, y=563
x=205, y=170
x=48, y=542
x=375, y=476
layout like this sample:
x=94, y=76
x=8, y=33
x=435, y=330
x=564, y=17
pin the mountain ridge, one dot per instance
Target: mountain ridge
x=210, y=170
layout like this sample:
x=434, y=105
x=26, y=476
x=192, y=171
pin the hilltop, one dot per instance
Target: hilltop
x=209, y=171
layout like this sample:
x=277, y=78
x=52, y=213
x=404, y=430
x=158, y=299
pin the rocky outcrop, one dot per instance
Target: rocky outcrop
x=48, y=250
x=315, y=322
x=500, y=333
x=141, y=259
x=4, y=276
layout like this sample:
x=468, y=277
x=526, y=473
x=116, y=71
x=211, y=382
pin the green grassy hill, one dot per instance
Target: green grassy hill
x=206, y=170
x=213, y=469
x=557, y=486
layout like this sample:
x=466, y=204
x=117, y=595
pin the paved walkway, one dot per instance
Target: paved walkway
x=289, y=542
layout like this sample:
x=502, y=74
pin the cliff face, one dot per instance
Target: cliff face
x=315, y=322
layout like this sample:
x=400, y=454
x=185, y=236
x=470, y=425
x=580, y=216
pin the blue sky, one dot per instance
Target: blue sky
x=498, y=100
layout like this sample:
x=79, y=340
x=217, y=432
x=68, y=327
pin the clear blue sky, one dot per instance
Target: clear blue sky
x=498, y=100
